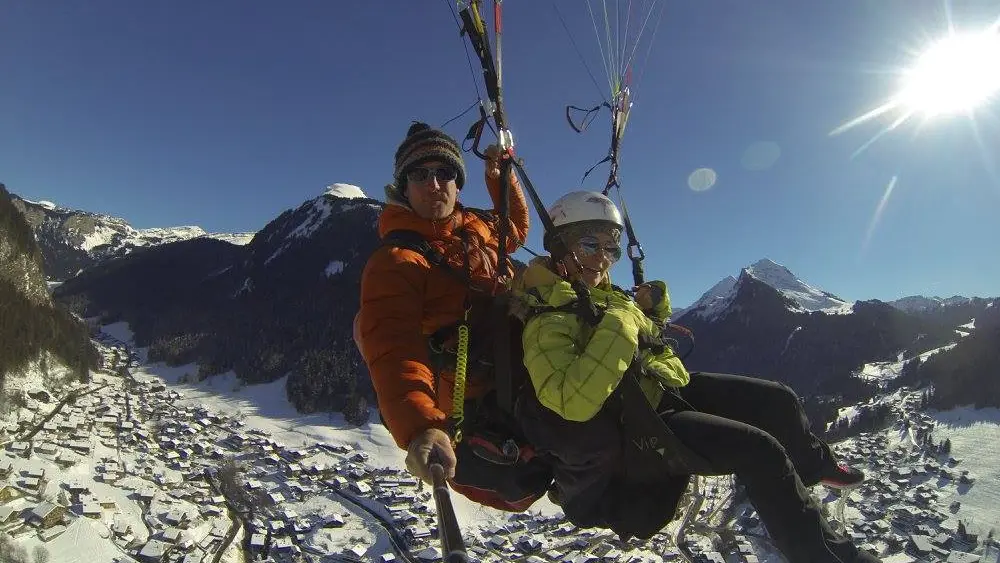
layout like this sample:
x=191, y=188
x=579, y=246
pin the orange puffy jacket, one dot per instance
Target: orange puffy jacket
x=404, y=300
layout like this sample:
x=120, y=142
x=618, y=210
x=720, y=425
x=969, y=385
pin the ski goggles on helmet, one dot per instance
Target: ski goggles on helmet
x=589, y=246
x=444, y=173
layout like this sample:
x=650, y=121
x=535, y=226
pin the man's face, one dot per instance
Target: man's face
x=431, y=189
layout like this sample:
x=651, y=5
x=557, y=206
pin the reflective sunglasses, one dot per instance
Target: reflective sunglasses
x=590, y=245
x=422, y=174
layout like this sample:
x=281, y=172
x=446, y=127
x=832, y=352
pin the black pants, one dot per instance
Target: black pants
x=757, y=430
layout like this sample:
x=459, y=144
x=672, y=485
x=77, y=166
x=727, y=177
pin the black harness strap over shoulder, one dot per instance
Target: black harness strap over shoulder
x=412, y=240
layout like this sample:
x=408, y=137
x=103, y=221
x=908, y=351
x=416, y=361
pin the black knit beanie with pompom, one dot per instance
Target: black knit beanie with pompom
x=425, y=144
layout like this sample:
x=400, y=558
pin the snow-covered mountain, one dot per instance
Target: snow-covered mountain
x=313, y=219
x=72, y=240
x=31, y=329
x=713, y=301
x=801, y=296
x=284, y=304
x=281, y=305
x=805, y=296
x=919, y=303
x=769, y=323
x=964, y=313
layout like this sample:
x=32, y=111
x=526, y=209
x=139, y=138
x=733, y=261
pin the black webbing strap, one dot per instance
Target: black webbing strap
x=502, y=349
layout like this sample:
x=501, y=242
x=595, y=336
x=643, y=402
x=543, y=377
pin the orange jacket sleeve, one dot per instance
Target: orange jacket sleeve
x=394, y=348
x=518, y=225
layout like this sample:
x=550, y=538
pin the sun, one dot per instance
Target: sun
x=955, y=75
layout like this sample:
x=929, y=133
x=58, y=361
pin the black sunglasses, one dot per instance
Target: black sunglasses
x=422, y=174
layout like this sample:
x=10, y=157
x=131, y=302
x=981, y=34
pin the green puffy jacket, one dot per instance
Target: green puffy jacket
x=574, y=366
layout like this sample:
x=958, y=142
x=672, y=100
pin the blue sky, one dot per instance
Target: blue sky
x=223, y=114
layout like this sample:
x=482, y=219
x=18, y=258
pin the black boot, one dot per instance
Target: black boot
x=841, y=476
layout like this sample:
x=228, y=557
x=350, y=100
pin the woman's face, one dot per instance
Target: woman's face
x=596, y=253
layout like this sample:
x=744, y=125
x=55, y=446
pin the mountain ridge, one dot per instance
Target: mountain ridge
x=281, y=305
x=284, y=305
x=72, y=240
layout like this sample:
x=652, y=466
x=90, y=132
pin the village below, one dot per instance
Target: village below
x=134, y=466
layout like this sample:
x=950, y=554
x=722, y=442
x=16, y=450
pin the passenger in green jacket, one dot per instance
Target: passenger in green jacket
x=598, y=381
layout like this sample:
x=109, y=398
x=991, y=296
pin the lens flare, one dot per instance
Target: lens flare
x=878, y=213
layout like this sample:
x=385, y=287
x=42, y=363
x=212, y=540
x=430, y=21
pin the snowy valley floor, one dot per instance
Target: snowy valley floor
x=136, y=492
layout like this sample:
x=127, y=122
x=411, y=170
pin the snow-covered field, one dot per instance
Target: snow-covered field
x=884, y=371
x=975, y=440
x=267, y=408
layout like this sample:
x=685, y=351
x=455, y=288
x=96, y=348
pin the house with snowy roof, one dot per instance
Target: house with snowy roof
x=46, y=515
x=529, y=544
x=337, y=482
x=154, y=551
x=80, y=446
x=418, y=532
x=920, y=546
x=89, y=509
x=171, y=535
x=281, y=544
x=47, y=534
x=429, y=554
x=177, y=518
x=357, y=550
x=334, y=521
x=32, y=484
x=22, y=449
x=8, y=515
x=963, y=557
x=8, y=493
x=120, y=528
x=301, y=526
x=258, y=541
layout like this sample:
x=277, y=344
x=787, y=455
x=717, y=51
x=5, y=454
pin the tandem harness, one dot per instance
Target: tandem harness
x=484, y=345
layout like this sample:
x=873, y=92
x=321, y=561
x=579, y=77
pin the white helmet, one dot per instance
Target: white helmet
x=582, y=206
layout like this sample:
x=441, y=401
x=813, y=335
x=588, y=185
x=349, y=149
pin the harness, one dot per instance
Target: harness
x=651, y=448
x=454, y=347
x=649, y=442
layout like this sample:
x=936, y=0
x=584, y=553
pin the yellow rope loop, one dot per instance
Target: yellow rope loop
x=458, y=393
